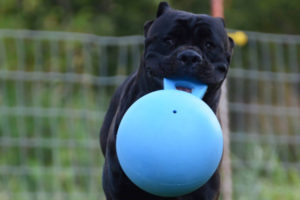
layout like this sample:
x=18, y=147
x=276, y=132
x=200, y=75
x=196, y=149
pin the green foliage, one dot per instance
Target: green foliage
x=258, y=173
x=65, y=158
x=275, y=16
x=116, y=17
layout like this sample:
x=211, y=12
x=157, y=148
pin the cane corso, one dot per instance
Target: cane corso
x=177, y=44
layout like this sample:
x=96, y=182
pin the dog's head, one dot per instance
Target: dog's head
x=180, y=44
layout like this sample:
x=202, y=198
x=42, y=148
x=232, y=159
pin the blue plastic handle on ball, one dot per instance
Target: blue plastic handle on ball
x=169, y=142
x=198, y=89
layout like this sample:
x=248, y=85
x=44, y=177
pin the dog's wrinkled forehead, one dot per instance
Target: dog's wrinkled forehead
x=172, y=19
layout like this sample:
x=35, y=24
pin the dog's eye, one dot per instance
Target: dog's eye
x=169, y=41
x=209, y=45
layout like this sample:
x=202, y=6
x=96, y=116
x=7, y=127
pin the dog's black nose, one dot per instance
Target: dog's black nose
x=189, y=57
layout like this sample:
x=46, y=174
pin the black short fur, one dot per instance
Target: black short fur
x=177, y=44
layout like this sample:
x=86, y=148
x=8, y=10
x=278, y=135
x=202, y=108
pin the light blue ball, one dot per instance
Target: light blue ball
x=169, y=143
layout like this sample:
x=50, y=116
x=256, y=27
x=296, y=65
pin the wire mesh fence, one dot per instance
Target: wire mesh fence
x=55, y=88
x=264, y=112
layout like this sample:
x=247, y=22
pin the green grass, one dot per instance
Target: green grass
x=259, y=173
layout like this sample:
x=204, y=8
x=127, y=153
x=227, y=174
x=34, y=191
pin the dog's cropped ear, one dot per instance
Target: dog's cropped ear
x=163, y=6
x=222, y=20
x=231, y=43
x=230, y=49
x=147, y=26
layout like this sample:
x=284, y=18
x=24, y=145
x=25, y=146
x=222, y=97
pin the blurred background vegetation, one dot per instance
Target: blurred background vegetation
x=50, y=120
x=126, y=17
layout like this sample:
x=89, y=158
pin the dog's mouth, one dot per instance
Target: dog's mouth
x=185, y=89
x=190, y=86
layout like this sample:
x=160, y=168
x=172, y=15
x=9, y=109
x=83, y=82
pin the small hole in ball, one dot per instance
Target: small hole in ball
x=174, y=111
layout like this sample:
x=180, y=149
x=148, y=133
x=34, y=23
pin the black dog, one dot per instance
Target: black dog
x=177, y=44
